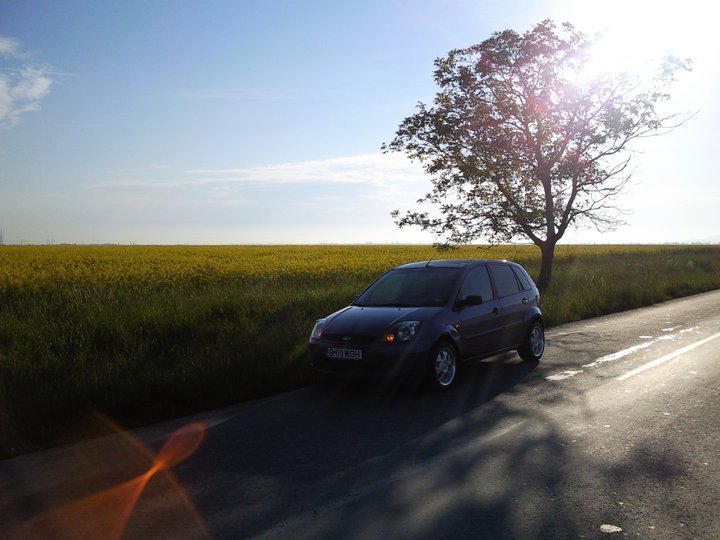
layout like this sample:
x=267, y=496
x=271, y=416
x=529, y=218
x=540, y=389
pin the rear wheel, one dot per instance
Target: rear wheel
x=533, y=347
x=443, y=370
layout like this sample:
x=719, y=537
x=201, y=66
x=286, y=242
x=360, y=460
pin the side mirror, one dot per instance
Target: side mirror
x=472, y=300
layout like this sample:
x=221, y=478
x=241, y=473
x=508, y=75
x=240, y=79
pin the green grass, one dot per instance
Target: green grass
x=142, y=334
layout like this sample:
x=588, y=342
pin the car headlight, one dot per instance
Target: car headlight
x=403, y=332
x=318, y=329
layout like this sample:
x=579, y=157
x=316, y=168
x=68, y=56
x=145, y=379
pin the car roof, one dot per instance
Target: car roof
x=450, y=263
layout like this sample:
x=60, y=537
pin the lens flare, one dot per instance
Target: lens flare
x=183, y=443
x=106, y=514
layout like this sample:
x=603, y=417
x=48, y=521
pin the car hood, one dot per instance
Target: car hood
x=373, y=321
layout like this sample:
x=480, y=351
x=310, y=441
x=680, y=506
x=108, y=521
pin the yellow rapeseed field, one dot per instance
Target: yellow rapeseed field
x=50, y=267
x=37, y=268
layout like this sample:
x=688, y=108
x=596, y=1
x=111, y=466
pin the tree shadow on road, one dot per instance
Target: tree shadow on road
x=321, y=443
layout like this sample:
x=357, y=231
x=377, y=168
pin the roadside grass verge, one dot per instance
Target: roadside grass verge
x=148, y=333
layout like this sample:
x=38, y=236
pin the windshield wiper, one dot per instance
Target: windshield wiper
x=390, y=304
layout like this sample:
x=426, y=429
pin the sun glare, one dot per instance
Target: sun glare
x=634, y=36
x=614, y=50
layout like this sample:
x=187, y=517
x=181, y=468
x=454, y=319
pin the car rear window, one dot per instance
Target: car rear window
x=523, y=278
x=505, y=281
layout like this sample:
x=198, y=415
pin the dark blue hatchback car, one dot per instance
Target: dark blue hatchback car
x=425, y=317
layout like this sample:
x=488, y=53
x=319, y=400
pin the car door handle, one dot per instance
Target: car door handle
x=495, y=311
x=524, y=300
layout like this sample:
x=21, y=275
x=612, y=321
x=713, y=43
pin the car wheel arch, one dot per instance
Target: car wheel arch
x=533, y=314
x=531, y=349
x=452, y=339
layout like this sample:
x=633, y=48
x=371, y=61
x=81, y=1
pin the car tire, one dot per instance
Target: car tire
x=533, y=346
x=443, y=366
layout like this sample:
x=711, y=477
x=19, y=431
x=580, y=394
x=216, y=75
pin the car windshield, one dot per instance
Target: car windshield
x=411, y=287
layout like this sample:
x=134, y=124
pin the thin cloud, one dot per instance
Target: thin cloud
x=245, y=94
x=374, y=177
x=8, y=46
x=378, y=169
x=154, y=184
x=22, y=88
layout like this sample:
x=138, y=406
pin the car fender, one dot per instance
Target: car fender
x=533, y=313
x=449, y=333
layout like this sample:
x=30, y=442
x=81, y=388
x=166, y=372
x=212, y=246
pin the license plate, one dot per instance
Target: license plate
x=344, y=354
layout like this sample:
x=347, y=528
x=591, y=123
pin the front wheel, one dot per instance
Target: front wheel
x=533, y=347
x=444, y=366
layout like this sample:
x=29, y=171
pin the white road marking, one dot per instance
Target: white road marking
x=563, y=375
x=595, y=363
x=617, y=355
x=668, y=357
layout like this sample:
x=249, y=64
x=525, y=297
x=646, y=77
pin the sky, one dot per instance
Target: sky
x=261, y=121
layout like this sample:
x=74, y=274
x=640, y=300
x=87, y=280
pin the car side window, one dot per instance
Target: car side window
x=523, y=278
x=505, y=281
x=477, y=283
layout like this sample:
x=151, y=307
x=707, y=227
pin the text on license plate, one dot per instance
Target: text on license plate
x=345, y=354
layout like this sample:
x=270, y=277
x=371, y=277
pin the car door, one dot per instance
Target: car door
x=513, y=304
x=478, y=322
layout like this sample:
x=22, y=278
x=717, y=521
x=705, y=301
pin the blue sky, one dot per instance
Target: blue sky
x=223, y=122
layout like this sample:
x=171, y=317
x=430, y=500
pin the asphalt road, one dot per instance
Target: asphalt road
x=615, y=433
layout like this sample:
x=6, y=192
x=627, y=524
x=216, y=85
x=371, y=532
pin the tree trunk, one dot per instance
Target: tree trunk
x=548, y=252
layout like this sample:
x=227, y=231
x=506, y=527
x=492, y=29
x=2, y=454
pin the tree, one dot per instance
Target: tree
x=521, y=143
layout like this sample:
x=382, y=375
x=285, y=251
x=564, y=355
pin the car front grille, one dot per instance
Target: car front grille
x=348, y=338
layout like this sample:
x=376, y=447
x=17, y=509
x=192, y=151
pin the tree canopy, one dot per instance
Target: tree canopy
x=521, y=142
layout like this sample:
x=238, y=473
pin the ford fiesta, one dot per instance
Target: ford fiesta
x=426, y=317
